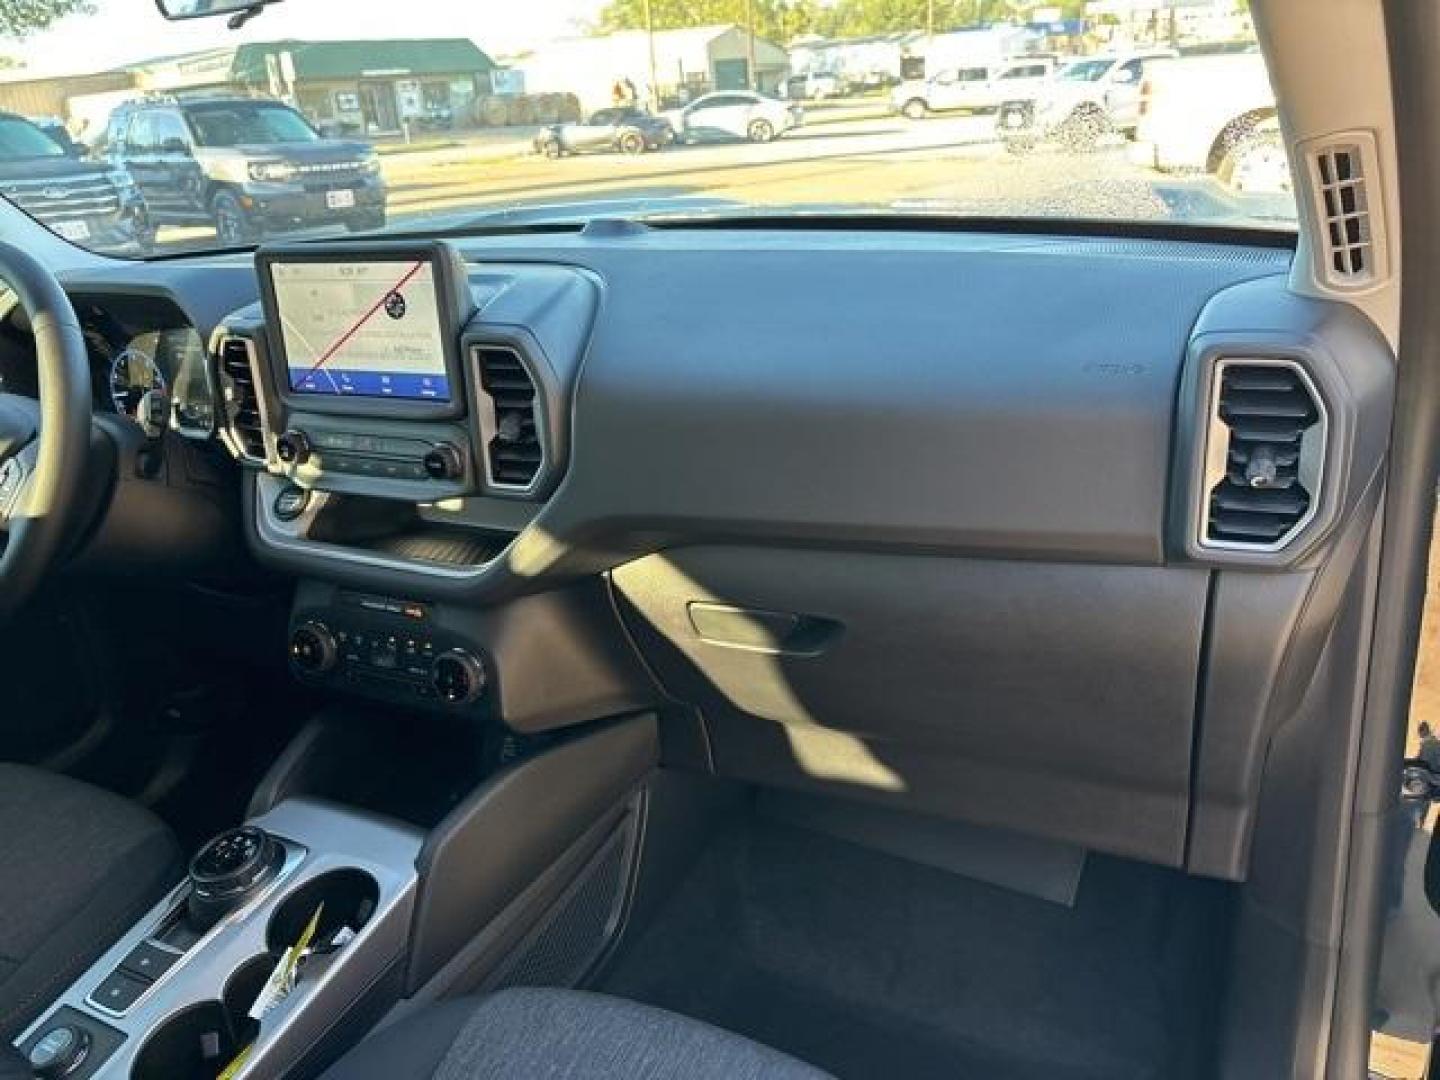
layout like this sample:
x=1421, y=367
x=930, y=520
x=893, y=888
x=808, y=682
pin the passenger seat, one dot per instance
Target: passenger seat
x=560, y=1035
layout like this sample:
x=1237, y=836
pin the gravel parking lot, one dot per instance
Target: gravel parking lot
x=952, y=164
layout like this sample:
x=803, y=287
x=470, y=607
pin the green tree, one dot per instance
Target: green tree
x=20, y=18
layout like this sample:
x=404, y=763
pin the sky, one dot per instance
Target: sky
x=122, y=31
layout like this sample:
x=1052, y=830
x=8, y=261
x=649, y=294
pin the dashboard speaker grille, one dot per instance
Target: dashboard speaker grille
x=514, y=453
x=240, y=389
x=1266, y=435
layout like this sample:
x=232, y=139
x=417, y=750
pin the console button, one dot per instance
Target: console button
x=313, y=648
x=291, y=503
x=293, y=448
x=458, y=677
x=443, y=462
x=59, y=1051
x=118, y=991
x=149, y=961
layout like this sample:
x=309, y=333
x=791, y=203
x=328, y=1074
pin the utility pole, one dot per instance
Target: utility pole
x=751, y=81
x=650, y=44
x=930, y=19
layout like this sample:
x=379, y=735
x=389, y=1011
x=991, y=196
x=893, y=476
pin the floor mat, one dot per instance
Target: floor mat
x=872, y=966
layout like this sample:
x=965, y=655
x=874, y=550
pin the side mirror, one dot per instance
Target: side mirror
x=1123, y=78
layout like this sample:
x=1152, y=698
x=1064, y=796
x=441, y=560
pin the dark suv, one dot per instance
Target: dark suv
x=83, y=201
x=246, y=166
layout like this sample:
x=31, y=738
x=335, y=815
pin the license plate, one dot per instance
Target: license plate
x=343, y=199
x=74, y=231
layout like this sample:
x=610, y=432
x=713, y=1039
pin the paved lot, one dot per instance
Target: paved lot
x=952, y=163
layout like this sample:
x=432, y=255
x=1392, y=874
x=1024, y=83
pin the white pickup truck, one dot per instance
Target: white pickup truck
x=1212, y=114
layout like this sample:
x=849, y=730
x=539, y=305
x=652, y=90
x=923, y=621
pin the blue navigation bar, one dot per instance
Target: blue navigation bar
x=382, y=384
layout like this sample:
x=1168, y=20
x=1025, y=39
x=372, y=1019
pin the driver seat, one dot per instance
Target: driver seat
x=78, y=866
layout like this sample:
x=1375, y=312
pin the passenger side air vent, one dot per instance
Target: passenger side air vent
x=239, y=386
x=514, y=450
x=1346, y=193
x=1263, y=454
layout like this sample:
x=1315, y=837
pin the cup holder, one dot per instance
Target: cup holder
x=349, y=898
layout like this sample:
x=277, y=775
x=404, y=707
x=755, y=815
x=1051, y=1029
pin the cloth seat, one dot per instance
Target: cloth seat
x=560, y=1035
x=78, y=866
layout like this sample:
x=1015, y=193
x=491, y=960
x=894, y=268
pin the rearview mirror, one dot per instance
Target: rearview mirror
x=204, y=9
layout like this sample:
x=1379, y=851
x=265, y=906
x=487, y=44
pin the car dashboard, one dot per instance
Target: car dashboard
x=925, y=518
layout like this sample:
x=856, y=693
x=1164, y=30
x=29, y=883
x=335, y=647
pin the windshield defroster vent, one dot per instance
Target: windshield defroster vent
x=1346, y=193
x=514, y=451
x=1263, y=455
x=240, y=389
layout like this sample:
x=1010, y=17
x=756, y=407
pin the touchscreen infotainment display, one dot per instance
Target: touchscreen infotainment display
x=364, y=329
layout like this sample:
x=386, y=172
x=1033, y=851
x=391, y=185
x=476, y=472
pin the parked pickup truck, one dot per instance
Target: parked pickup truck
x=977, y=88
x=1212, y=114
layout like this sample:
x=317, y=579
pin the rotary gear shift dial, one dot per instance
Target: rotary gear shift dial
x=227, y=870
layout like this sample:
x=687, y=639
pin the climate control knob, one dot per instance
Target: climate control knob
x=458, y=677
x=313, y=649
x=293, y=448
x=443, y=462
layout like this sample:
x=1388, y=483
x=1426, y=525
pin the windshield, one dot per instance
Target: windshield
x=21, y=139
x=1085, y=70
x=431, y=118
x=236, y=124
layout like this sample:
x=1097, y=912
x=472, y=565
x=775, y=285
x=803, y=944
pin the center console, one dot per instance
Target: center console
x=184, y=993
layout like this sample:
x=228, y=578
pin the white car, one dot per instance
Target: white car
x=736, y=114
x=971, y=88
x=1085, y=99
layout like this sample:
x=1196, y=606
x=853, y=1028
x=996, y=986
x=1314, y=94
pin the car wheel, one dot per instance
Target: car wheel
x=632, y=142
x=1256, y=164
x=233, y=226
x=1082, y=130
x=551, y=148
x=761, y=131
x=915, y=109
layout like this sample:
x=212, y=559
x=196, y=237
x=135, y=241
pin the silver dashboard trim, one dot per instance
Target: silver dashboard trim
x=485, y=417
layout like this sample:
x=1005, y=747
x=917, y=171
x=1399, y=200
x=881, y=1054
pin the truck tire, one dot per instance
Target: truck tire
x=233, y=226
x=1082, y=129
x=1256, y=164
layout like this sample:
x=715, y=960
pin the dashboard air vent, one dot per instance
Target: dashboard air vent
x=238, y=384
x=1265, y=447
x=1345, y=190
x=513, y=449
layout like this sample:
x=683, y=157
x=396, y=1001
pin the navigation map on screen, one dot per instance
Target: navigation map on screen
x=368, y=329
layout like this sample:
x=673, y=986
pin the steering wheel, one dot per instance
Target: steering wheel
x=44, y=444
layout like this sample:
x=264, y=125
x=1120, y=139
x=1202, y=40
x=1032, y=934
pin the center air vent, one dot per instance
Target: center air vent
x=1264, y=451
x=514, y=452
x=243, y=419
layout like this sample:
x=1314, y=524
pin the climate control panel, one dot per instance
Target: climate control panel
x=386, y=648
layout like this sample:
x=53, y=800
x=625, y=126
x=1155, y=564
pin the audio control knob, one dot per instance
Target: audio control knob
x=458, y=676
x=443, y=462
x=313, y=649
x=293, y=448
